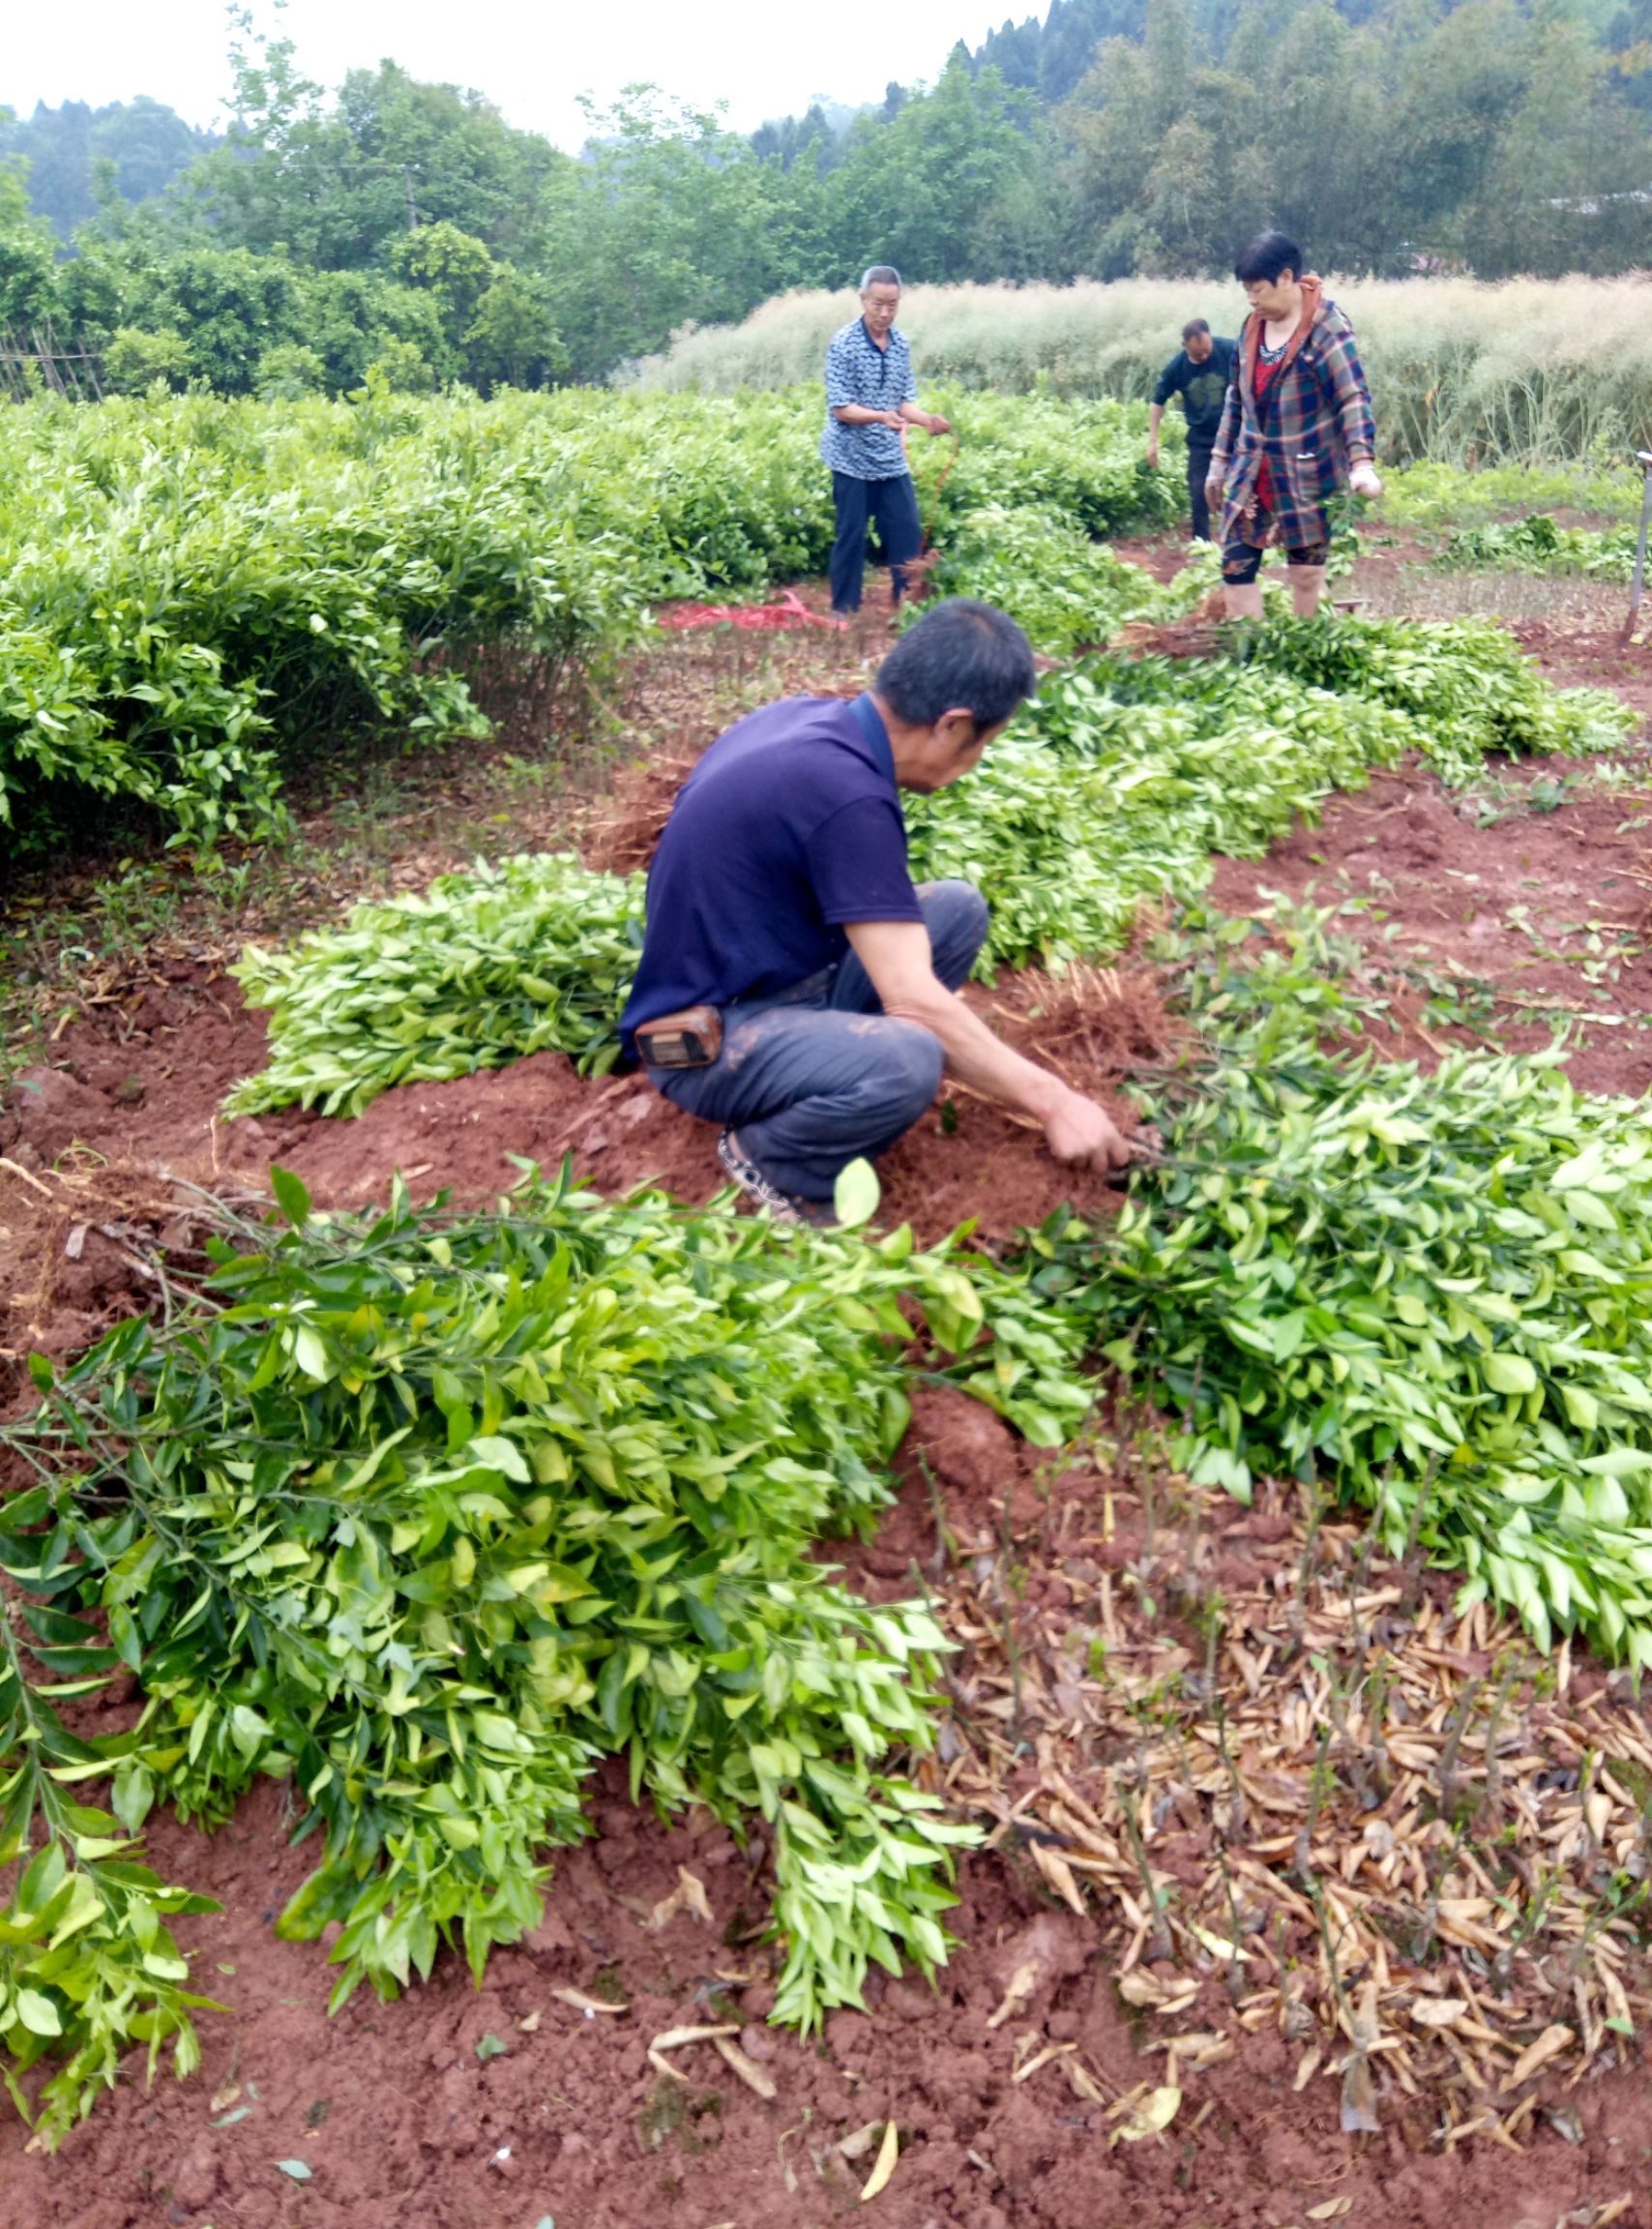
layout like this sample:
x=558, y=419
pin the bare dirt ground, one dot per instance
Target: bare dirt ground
x=533, y=2098
x=1013, y=2081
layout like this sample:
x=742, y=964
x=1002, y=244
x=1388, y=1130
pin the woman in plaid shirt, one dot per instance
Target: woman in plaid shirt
x=1296, y=428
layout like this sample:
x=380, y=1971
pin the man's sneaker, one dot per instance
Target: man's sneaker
x=784, y=1206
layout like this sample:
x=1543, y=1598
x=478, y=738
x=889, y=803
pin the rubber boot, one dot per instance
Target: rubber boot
x=1242, y=600
x=1307, y=587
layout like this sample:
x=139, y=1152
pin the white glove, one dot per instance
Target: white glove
x=1363, y=479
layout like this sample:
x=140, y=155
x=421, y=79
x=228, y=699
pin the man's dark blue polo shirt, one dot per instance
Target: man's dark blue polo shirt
x=790, y=826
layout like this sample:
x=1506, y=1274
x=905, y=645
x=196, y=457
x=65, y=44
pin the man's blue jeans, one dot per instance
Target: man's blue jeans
x=816, y=1076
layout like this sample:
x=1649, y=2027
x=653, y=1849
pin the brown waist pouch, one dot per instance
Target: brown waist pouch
x=691, y=1039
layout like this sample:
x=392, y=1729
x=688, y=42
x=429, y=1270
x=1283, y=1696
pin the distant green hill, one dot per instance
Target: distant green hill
x=148, y=143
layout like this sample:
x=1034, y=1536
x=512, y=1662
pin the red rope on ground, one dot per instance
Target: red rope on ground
x=790, y=610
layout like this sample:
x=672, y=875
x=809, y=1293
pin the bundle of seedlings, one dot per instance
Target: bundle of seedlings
x=1428, y=1289
x=1067, y=590
x=428, y=1513
x=1130, y=777
x=1132, y=773
x=535, y=954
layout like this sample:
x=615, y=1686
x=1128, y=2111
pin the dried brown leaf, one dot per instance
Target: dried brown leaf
x=1022, y=1982
x=673, y=2039
x=749, y=2072
x=1151, y=2117
x=1548, y=2046
x=889, y=2151
x=1042, y=2058
x=1359, y=2114
x=688, y=1896
x=1141, y=1987
x=1059, y=1874
x=1437, y=2011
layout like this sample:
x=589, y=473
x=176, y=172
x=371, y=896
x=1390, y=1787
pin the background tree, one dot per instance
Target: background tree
x=951, y=187
x=28, y=262
x=670, y=218
x=406, y=226
x=147, y=144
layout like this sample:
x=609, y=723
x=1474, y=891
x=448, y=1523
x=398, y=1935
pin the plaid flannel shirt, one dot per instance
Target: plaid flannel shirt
x=1319, y=423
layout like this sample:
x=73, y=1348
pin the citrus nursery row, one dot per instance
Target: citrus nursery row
x=196, y=595
x=428, y=1511
x=1113, y=790
x=1539, y=544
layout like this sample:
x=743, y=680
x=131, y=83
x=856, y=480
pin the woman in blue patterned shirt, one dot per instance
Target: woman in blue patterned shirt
x=871, y=400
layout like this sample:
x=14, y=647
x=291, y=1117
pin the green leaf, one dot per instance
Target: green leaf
x=1583, y=1409
x=38, y=2013
x=503, y=1455
x=292, y=1196
x=1619, y=1462
x=296, y=2168
x=309, y=1353
x=856, y=1194
x=1510, y=1374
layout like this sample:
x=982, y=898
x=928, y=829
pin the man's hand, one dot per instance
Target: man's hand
x=896, y=955
x=1153, y=454
x=1363, y=479
x=892, y=419
x=1214, y=492
x=934, y=423
x=1078, y=1131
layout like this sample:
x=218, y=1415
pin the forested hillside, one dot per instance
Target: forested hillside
x=407, y=226
x=77, y=156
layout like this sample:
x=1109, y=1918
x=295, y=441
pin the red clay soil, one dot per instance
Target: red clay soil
x=139, y=1094
x=1595, y=658
x=403, y=2124
x=408, y=2116
x=140, y=1081
x=1512, y=907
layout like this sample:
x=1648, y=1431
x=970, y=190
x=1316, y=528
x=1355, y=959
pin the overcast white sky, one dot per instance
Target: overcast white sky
x=764, y=57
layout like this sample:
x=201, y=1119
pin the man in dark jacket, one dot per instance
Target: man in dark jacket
x=1198, y=372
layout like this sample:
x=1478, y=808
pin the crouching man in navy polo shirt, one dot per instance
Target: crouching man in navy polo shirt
x=795, y=985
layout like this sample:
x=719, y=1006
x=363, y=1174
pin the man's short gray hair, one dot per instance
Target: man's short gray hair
x=880, y=275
